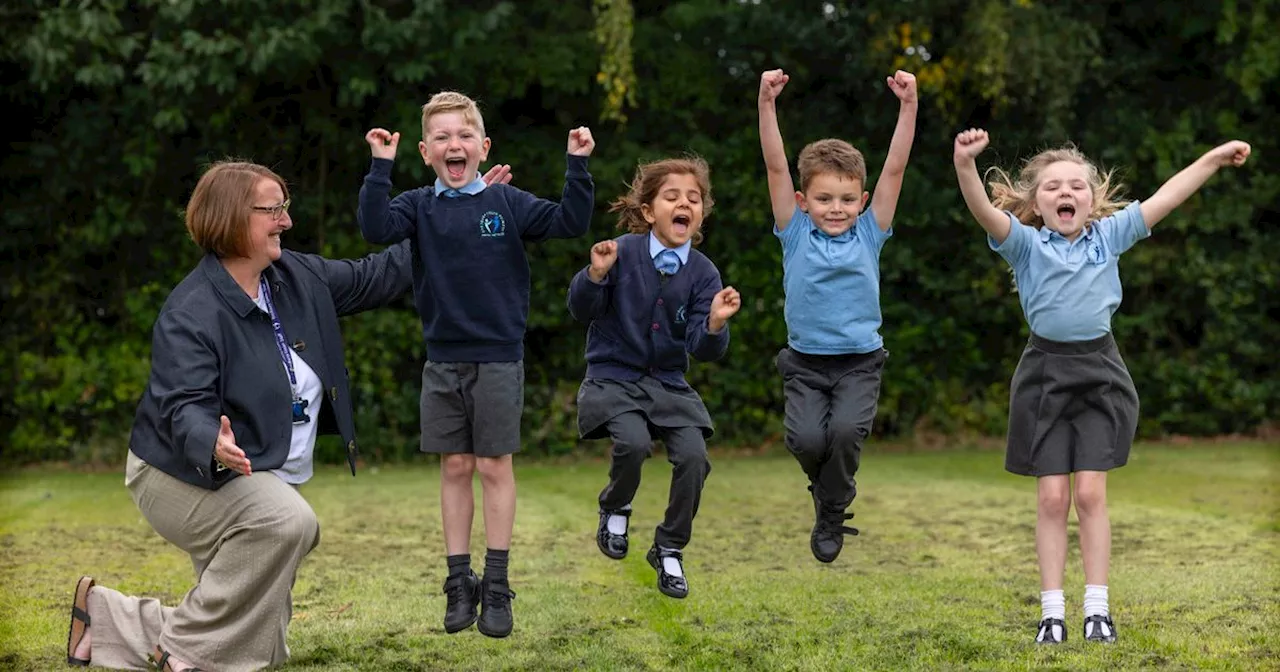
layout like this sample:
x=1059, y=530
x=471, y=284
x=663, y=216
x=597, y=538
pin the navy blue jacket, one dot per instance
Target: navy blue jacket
x=213, y=353
x=641, y=325
x=470, y=272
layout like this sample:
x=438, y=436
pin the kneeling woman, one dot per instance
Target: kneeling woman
x=246, y=369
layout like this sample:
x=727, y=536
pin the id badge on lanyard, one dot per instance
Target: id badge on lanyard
x=299, y=407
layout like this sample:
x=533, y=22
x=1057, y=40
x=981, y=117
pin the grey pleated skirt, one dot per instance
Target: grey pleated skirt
x=1072, y=407
x=601, y=400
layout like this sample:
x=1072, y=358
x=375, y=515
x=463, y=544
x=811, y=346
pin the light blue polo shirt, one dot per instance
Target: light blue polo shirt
x=471, y=188
x=1070, y=289
x=832, y=285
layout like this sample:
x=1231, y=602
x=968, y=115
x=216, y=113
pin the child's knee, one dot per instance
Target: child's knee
x=811, y=441
x=495, y=469
x=457, y=466
x=1054, y=498
x=848, y=432
x=1091, y=496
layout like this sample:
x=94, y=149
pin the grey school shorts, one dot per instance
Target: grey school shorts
x=472, y=407
x=1072, y=407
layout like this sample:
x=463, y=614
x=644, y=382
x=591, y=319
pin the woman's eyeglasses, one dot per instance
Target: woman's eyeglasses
x=276, y=211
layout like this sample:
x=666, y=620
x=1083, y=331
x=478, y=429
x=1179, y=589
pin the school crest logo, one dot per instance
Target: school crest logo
x=492, y=225
x=680, y=315
x=1096, y=254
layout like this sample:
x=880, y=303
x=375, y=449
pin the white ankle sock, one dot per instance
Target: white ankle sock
x=1095, y=601
x=672, y=567
x=618, y=524
x=1052, y=604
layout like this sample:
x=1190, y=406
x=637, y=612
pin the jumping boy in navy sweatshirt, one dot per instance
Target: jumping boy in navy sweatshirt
x=471, y=287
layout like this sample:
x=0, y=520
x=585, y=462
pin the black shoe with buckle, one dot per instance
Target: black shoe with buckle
x=613, y=545
x=670, y=584
x=495, y=608
x=1103, y=630
x=463, y=592
x=827, y=538
x=1045, y=633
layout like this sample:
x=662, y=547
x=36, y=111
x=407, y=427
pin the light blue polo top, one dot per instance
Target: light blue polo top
x=832, y=285
x=1070, y=289
x=471, y=188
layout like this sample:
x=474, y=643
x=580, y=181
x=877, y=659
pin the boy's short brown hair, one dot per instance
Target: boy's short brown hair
x=219, y=209
x=833, y=156
x=452, y=101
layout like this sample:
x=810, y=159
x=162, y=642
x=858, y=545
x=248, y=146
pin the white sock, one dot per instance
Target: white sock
x=1095, y=601
x=618, y=524
x=1052, y=604
x=672, y=566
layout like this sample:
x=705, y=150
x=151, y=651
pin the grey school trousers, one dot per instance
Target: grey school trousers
x=245, y=540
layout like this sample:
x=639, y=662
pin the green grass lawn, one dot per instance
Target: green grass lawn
x=943, y=577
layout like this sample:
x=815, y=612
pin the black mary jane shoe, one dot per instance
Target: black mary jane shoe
x=1103, y=630
x=612, y=545
x=1045, y=633
x=669, y=584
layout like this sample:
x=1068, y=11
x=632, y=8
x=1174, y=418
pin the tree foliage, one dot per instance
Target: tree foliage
x=120, y=105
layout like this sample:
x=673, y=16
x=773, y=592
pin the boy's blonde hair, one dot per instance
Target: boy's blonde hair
x=831, y=156
x=1019, y=196
x=644, y=190
x=220, y=206
x=452, y=101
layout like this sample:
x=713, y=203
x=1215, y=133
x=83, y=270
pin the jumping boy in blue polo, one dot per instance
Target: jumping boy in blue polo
x=831, y=277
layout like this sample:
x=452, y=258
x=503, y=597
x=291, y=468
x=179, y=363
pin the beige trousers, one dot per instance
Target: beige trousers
x=245, y=540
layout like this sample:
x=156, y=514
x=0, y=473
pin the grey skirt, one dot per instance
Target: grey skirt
x=601, y=400
x=1072, y=407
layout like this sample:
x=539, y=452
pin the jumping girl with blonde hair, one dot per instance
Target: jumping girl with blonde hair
x=1073, y=408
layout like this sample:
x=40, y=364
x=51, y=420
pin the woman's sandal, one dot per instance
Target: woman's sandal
x=79, y=620
x=161, y=660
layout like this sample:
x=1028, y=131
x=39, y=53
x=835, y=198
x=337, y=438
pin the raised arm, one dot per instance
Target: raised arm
x=571, y=217
x=782, y=193
x=889, y=186
x=590, y=291
x=383, y=221
x=376, y=280
x=969, y=144
x=1179, y=188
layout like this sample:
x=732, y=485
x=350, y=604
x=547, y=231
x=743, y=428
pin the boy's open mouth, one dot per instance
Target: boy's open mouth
x=457, y=167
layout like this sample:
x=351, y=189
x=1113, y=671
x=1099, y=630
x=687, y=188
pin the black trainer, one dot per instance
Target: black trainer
x=1045, y=633
x=495, y=608
x=827, y=539
x=670, y=584
x=613, y=545
x=463, y=592
x=1103, y=629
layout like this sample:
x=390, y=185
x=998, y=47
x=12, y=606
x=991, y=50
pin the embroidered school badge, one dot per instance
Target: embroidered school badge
x=1096, y=254
x=492, y=225
x=680, y=315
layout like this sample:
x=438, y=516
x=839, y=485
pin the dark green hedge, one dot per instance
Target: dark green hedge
x=121, y=104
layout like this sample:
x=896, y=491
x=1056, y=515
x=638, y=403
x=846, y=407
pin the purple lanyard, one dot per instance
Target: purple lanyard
x=281, y=343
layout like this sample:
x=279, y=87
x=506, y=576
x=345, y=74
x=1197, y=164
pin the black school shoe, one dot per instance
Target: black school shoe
x=1103, y=629
x=827, y=539
x=669, y=584
x=613, y=545
x=463, y=593
x=495, y=608
x=1045, y=633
